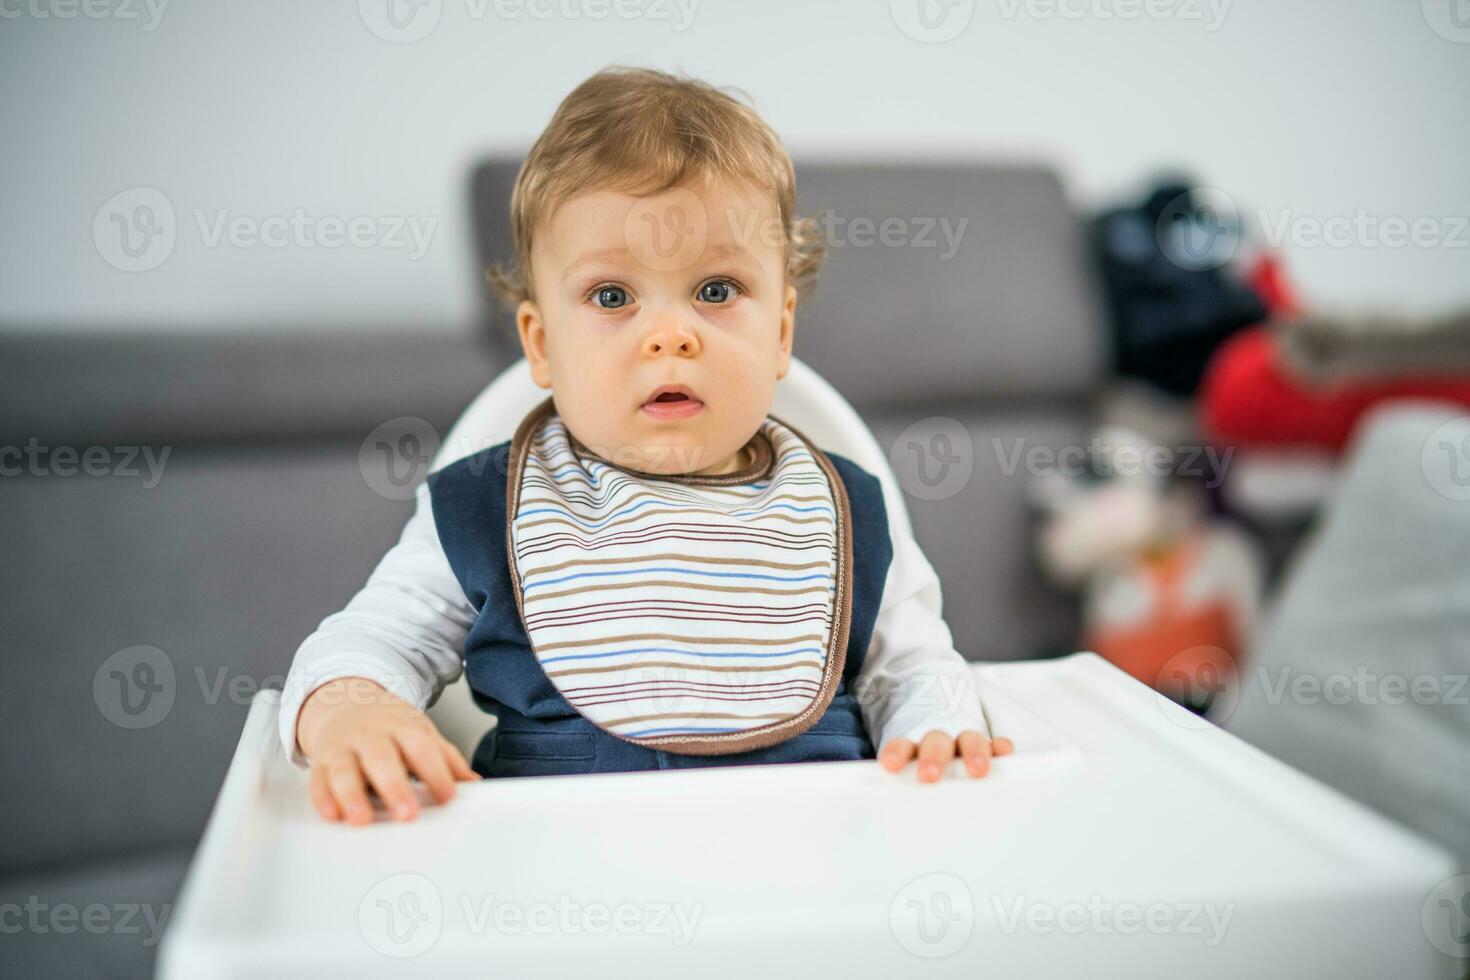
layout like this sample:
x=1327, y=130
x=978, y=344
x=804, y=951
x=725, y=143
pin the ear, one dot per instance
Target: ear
x=533, y=341
x=788, y=329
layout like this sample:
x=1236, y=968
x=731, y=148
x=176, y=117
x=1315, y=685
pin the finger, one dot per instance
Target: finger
x=935, y=752
x=458, y=766
x=385, y=770
x=321, y=794
x=896, y=754
x=426, y=760
x=1002, y=746
x=344, y=778
x=975, y=749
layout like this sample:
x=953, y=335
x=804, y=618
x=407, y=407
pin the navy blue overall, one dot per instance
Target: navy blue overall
x=539, y=733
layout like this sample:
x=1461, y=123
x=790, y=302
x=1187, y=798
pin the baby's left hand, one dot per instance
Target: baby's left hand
x=937, y=750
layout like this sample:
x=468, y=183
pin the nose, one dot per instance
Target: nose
x=671, y=337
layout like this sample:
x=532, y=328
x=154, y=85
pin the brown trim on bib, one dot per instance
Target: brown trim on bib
x=764, y=458
x=836, y=657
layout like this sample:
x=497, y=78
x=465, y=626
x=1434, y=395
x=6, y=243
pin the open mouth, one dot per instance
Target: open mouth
x=673, y=402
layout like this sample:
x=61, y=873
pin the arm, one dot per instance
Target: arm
x=404, y=630
x=917, y=693
x=354, y=698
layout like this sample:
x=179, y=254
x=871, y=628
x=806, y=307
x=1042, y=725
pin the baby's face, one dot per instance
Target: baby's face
x=686, y=289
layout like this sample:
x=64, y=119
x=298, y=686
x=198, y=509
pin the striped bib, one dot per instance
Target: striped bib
x=703, y=615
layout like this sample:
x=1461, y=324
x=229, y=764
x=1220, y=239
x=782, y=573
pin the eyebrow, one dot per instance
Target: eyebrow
x=587, y=258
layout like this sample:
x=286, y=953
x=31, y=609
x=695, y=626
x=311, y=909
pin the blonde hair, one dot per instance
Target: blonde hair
x=644, y=131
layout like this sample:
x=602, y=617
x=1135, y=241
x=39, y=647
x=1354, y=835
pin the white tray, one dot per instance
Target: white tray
x=1124, y=836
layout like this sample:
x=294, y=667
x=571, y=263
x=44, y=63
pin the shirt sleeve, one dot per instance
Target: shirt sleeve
x=913, y=681
x=405, y=629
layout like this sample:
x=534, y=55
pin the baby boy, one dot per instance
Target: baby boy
x=654, y=572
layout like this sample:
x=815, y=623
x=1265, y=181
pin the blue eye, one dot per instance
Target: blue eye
x=610, y=297
x=716, y=291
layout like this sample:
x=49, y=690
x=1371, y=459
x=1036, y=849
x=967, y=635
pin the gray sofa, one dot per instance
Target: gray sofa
x=262, y=520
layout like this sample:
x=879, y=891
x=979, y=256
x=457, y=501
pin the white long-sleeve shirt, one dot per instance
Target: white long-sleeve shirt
x=406, y=629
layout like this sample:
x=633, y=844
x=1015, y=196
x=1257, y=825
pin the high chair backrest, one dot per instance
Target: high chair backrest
x=803, y=399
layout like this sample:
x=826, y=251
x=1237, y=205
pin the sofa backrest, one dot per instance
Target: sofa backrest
x=184, y=511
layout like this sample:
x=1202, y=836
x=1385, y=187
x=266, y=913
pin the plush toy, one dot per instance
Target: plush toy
x=1168, y=594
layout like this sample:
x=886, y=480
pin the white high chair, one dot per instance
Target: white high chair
x=803, y=398
x=1124, y=836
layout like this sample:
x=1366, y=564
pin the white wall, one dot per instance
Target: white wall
x=1306, y=108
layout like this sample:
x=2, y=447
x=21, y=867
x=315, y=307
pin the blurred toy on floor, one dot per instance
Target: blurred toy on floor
x=1169, y=593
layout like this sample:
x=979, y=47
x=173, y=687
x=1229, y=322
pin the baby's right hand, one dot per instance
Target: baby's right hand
x=358, y=735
